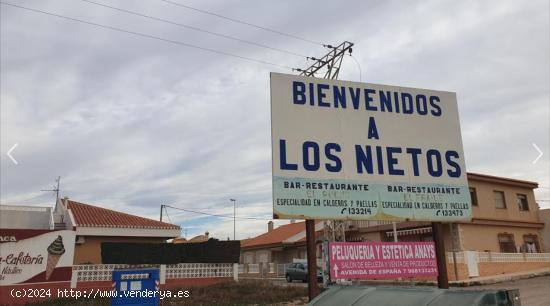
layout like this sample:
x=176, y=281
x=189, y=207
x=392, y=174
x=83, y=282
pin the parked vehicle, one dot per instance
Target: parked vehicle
x=298, y=271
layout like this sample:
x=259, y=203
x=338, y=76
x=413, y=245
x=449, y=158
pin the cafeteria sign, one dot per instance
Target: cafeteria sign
x=358, y=151
x=36, y=256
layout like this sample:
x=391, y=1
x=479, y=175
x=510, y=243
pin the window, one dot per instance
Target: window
x=530, y=244
x=262, y=256
x=506, y=243
x=500, y=201
x=522, y=202
x=473, y=196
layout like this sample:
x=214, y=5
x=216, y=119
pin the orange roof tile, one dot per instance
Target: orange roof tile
x=93, y=216
x=317, y=235
x=276, y=236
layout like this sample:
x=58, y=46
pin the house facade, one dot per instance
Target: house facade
x=505, y=218
x=544, y=216
x=283, y=244
x=95, y=225
x=26, y=217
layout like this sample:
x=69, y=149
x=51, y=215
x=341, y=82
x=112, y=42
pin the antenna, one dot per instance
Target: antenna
x=55, y=188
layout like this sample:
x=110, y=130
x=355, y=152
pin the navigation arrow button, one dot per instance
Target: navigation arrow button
x=9, y=154
x=540, y=153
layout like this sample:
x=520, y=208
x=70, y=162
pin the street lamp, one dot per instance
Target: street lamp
x=234, y=224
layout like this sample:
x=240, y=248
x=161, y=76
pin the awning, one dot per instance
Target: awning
x=413, y=231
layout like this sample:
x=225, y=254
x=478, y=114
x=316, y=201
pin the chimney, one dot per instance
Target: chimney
x=65, y=201
x=269, y=226
x=206, y=234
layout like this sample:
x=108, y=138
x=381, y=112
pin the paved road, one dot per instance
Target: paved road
x=533, y=291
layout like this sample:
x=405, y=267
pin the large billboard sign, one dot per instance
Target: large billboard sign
x=35, y=256
x=347, y=150
x=368, y=260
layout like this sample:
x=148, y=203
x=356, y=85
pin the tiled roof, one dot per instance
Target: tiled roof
x=199, y=238
x=276, y=236
x=318, y=234
x=93, y=216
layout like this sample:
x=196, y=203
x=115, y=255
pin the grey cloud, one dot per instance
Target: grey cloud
x=131, y=123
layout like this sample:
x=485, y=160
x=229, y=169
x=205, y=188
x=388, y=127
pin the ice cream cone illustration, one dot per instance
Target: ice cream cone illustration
x=55, y=251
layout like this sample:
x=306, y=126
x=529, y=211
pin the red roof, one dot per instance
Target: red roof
x=93, y=216
x=276, y=236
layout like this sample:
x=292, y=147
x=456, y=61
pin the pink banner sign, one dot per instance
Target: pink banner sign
x=368, y=260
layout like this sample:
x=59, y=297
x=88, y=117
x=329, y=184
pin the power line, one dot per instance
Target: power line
x=359, y=67
x=168, y=216
x=243, y=22
x=215, y=215
x=147, y=36
x=195, y=28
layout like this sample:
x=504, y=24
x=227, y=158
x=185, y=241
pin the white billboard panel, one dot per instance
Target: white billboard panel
x=348, y=150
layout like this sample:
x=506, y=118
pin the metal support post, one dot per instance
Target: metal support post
x=313, y=289
x=442, y=277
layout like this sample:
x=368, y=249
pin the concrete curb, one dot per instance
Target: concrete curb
x=500, y=278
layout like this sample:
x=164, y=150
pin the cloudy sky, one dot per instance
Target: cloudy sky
x=131, y=122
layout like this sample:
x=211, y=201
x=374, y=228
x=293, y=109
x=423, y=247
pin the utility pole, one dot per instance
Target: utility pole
x=55, y=188
x=442, y=276
x=331, y=61
x=234, y=215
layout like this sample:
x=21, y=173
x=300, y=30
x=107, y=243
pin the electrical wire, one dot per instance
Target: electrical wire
x=195, y=28
x=358, y=66
x=167, y=215
x=147, y=36
x=215, y=215
x=243, y=22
